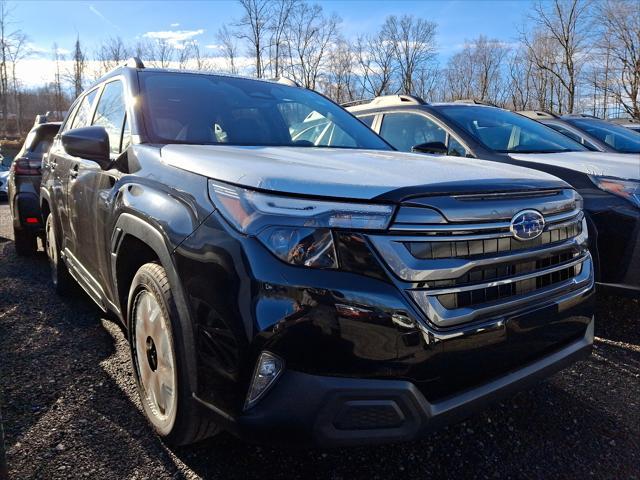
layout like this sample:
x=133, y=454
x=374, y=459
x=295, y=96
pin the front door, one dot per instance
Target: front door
x=89, y=183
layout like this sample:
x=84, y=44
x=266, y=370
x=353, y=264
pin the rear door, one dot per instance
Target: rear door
x=90, y=187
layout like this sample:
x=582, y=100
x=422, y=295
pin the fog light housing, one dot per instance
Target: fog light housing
x=268, y=369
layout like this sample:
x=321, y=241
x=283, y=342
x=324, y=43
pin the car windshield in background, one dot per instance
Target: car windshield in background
x=508, y=132
x=220, y=110
x=619, y=138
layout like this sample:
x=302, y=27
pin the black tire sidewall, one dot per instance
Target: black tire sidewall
x=149, y=278
x=60, y=276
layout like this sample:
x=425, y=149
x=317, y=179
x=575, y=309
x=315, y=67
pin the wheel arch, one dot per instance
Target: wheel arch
x=135, y=242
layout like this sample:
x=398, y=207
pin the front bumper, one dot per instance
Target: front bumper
x=333, y=411
x=355, y=343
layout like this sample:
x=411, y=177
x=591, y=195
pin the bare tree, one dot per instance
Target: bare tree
x=376, y=65
x=201, y=62
x=414, y=46
x=57, y=81
x=79, y=68
x=163, y=53
x=17, y=50
x=620, y=39
x=253, y=27
x=519, y=86
x=340, y=85
x=5, y=15
x=565, y=27
x=229, y=48
x=280, y=15
x=309, y=38
x=112, y=53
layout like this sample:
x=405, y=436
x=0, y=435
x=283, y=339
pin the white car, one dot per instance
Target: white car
x=4, y=180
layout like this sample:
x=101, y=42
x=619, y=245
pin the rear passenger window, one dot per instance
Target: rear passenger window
x=110, y=113
x=82, y=118
x=405, y=130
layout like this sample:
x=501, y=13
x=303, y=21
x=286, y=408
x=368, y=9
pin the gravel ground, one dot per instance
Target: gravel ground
x=70, y=408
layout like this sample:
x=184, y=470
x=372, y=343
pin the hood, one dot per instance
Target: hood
x=356, y=174
x=620, y=165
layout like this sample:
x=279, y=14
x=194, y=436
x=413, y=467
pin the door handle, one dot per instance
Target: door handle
x=73, y=174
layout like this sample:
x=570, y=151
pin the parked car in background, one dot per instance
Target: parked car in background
x=560, y=125
x=627, y=123
x=306, y=288
x=24, y=185
x=608, y=182
x=593, y=133
x=4, y=180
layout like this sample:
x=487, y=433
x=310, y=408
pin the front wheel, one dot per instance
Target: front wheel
x=60, y=276
x=160, y=361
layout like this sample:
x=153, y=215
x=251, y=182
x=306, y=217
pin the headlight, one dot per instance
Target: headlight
x=629, y=189
x=297, y=230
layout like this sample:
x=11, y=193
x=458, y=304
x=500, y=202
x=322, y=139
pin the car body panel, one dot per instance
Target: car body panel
x=357, y=174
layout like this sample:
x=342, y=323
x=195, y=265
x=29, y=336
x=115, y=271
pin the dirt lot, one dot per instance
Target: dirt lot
x=70, y=408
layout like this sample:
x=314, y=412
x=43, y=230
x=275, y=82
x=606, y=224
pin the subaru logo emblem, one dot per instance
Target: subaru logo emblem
x=527, y=225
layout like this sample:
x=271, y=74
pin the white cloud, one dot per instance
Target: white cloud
x=175, y=38
x=174, y=25
x=99, y=14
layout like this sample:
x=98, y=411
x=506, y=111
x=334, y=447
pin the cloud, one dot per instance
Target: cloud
x=174, y=25
x=175, y=38
x=99, y=14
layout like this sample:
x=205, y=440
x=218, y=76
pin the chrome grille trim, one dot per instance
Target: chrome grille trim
x=428, y=302
x=411, y=269
x=506, y=281
x=452, y=228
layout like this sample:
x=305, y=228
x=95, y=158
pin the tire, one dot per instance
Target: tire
x=60, y=277
x=26, y=243
x=160, y=362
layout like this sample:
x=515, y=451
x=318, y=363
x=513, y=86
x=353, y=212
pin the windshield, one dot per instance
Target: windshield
x=220, y=110
x=508, y=132
x=619, y=138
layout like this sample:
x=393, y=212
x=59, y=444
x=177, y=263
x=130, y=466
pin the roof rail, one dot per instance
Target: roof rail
x=474, y=101
x=353, y=103
x=286, y=81
x=133, y=62
x=537, y=114
x=387, y=101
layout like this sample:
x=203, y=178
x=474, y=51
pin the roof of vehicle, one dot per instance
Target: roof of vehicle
x=135, y=64
x=383, y=101
x=386, y=101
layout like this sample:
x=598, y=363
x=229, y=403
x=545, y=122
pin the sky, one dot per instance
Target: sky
x=46, y=22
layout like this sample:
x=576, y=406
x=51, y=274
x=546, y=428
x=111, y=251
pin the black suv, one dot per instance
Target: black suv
x=608, y=182
x=303, y=287
x=24, y=185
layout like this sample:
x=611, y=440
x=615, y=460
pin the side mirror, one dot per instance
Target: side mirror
x=431, y=147
x=91, y=143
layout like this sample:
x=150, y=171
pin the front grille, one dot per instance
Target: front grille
x=471, y=248
x=480, y=296
x=458, y=272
